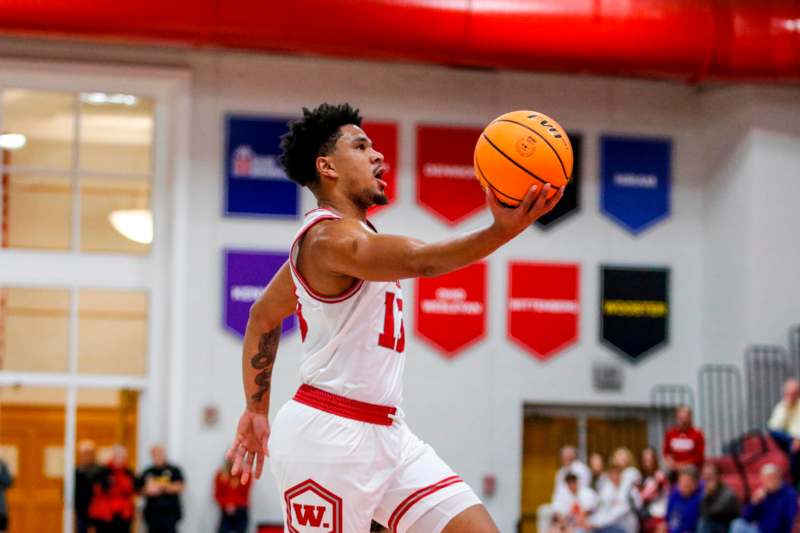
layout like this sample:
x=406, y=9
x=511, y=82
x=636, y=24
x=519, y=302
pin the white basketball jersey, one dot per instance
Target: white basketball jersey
x=353, y=343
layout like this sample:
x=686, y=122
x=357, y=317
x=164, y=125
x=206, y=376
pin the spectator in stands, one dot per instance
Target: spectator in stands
x=111, y=508
x=86, y=472
x=573, y=505
x=233, y=498
x=772, y=508
x=161, y=485
x=622, y=459
x=719, y=506
x=653, y=491
x=684, y=444
x=571, y=463
x=597, y=466
x=615, y=512
x=784, y=425
x=683, y=508
x=5, y=482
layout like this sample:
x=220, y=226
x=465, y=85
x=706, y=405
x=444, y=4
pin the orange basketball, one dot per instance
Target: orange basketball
x=521, y=149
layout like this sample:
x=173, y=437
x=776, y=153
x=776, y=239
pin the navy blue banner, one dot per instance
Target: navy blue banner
x=635, y=180
x=255, y=184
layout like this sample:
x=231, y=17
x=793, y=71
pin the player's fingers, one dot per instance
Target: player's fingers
x=259, y=465
x=237, y=459
x=551, y=203
x=246, y=472
x=529, y=198
x=491, y=198
x=540, y=199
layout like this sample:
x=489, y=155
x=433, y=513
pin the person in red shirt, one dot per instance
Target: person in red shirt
x=684, y=444
x=112, y=503
x=233, y=498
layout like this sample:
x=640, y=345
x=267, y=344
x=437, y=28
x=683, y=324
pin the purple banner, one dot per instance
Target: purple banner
x=247, y=272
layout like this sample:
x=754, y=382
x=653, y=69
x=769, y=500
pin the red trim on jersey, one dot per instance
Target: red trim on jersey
x=344, y=407
x=314, y=294
x=415, y=498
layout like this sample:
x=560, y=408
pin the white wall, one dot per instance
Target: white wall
x=727, y=143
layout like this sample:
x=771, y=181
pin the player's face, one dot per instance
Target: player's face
x=359, y=167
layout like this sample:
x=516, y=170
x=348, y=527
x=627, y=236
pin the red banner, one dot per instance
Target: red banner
x=451, y=309
x=384, y=139
x=446, y=183
x=543, y=306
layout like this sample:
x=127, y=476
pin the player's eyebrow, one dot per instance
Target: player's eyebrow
x=361, y=138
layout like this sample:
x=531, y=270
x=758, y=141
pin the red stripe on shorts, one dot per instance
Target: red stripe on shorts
x=414, y=498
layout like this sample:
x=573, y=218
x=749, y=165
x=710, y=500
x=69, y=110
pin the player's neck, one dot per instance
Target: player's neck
x=343, y=206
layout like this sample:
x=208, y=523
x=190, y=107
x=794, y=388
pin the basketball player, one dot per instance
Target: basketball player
x=340, y=451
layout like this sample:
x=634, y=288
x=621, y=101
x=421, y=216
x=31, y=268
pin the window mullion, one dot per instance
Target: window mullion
x=75, y=178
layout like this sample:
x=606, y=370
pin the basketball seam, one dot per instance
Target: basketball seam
x=490, y=184
x=560, y=162
x=528, y=172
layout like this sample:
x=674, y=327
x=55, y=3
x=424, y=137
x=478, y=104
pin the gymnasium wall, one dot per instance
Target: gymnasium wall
x=730, y=243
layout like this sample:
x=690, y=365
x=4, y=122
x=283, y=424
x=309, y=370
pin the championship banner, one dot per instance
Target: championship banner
x=451, y=309
x=543, y=306
x=571, y=201
x=446, y=183
x=247, y=272
x=635, y=180
x=634, y=307
x=255, y=183
x=384, y=140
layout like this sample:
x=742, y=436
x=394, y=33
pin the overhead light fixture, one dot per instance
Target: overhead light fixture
x=12, y=141
x=134, y=224
x=108, y=98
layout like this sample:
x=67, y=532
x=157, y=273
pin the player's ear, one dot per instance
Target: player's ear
x=326, y=168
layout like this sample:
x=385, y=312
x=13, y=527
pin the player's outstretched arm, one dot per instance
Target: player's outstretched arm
x=348, y=248
x=261, y=339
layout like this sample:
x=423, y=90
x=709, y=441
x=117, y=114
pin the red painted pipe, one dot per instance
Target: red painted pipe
x=754, y=40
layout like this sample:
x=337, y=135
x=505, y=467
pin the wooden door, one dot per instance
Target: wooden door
x=35, y=502
x=604, y=435
x=543, y=438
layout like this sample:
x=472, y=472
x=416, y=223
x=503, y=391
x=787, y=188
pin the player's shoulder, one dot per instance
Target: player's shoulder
x=335, y=235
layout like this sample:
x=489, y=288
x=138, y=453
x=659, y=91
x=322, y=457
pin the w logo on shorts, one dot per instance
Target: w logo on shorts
x=311, y=508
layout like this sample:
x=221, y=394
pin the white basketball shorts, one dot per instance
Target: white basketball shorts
x=340, y=463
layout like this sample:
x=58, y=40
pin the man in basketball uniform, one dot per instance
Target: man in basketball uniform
x=340, y=451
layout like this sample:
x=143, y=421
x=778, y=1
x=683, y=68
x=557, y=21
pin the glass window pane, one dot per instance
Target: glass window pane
x=32, y=445
x=112, y=332
x=115, y=215
x=36, y=323
x=105, y=418
x=37, y=212
x=47, y=120
x=116, y=133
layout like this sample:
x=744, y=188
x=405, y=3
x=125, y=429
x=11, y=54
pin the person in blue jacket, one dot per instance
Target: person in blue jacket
x=772, y=508
x=683, y=507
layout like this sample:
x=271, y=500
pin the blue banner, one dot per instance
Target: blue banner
x=255, y=183
x=635, y=180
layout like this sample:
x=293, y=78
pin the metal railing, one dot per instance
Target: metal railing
x=766, y=368
x=721, y=405
x=664, y=399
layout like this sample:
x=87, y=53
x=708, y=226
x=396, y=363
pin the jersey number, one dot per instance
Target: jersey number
x=387, y=338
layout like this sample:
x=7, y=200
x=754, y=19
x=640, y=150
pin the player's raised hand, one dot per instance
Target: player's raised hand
x=249, y=446
x=511, y=221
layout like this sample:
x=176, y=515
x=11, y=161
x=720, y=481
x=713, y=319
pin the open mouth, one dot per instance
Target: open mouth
x=378, y=173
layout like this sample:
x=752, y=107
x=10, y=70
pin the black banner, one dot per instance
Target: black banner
x=634, y=309
x=571, y=202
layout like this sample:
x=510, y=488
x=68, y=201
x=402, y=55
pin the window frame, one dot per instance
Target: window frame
x=160, y=272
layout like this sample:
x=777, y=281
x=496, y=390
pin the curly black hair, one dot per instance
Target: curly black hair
x=313, y=135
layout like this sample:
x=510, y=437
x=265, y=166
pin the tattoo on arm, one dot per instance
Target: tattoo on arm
x=264, y=360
